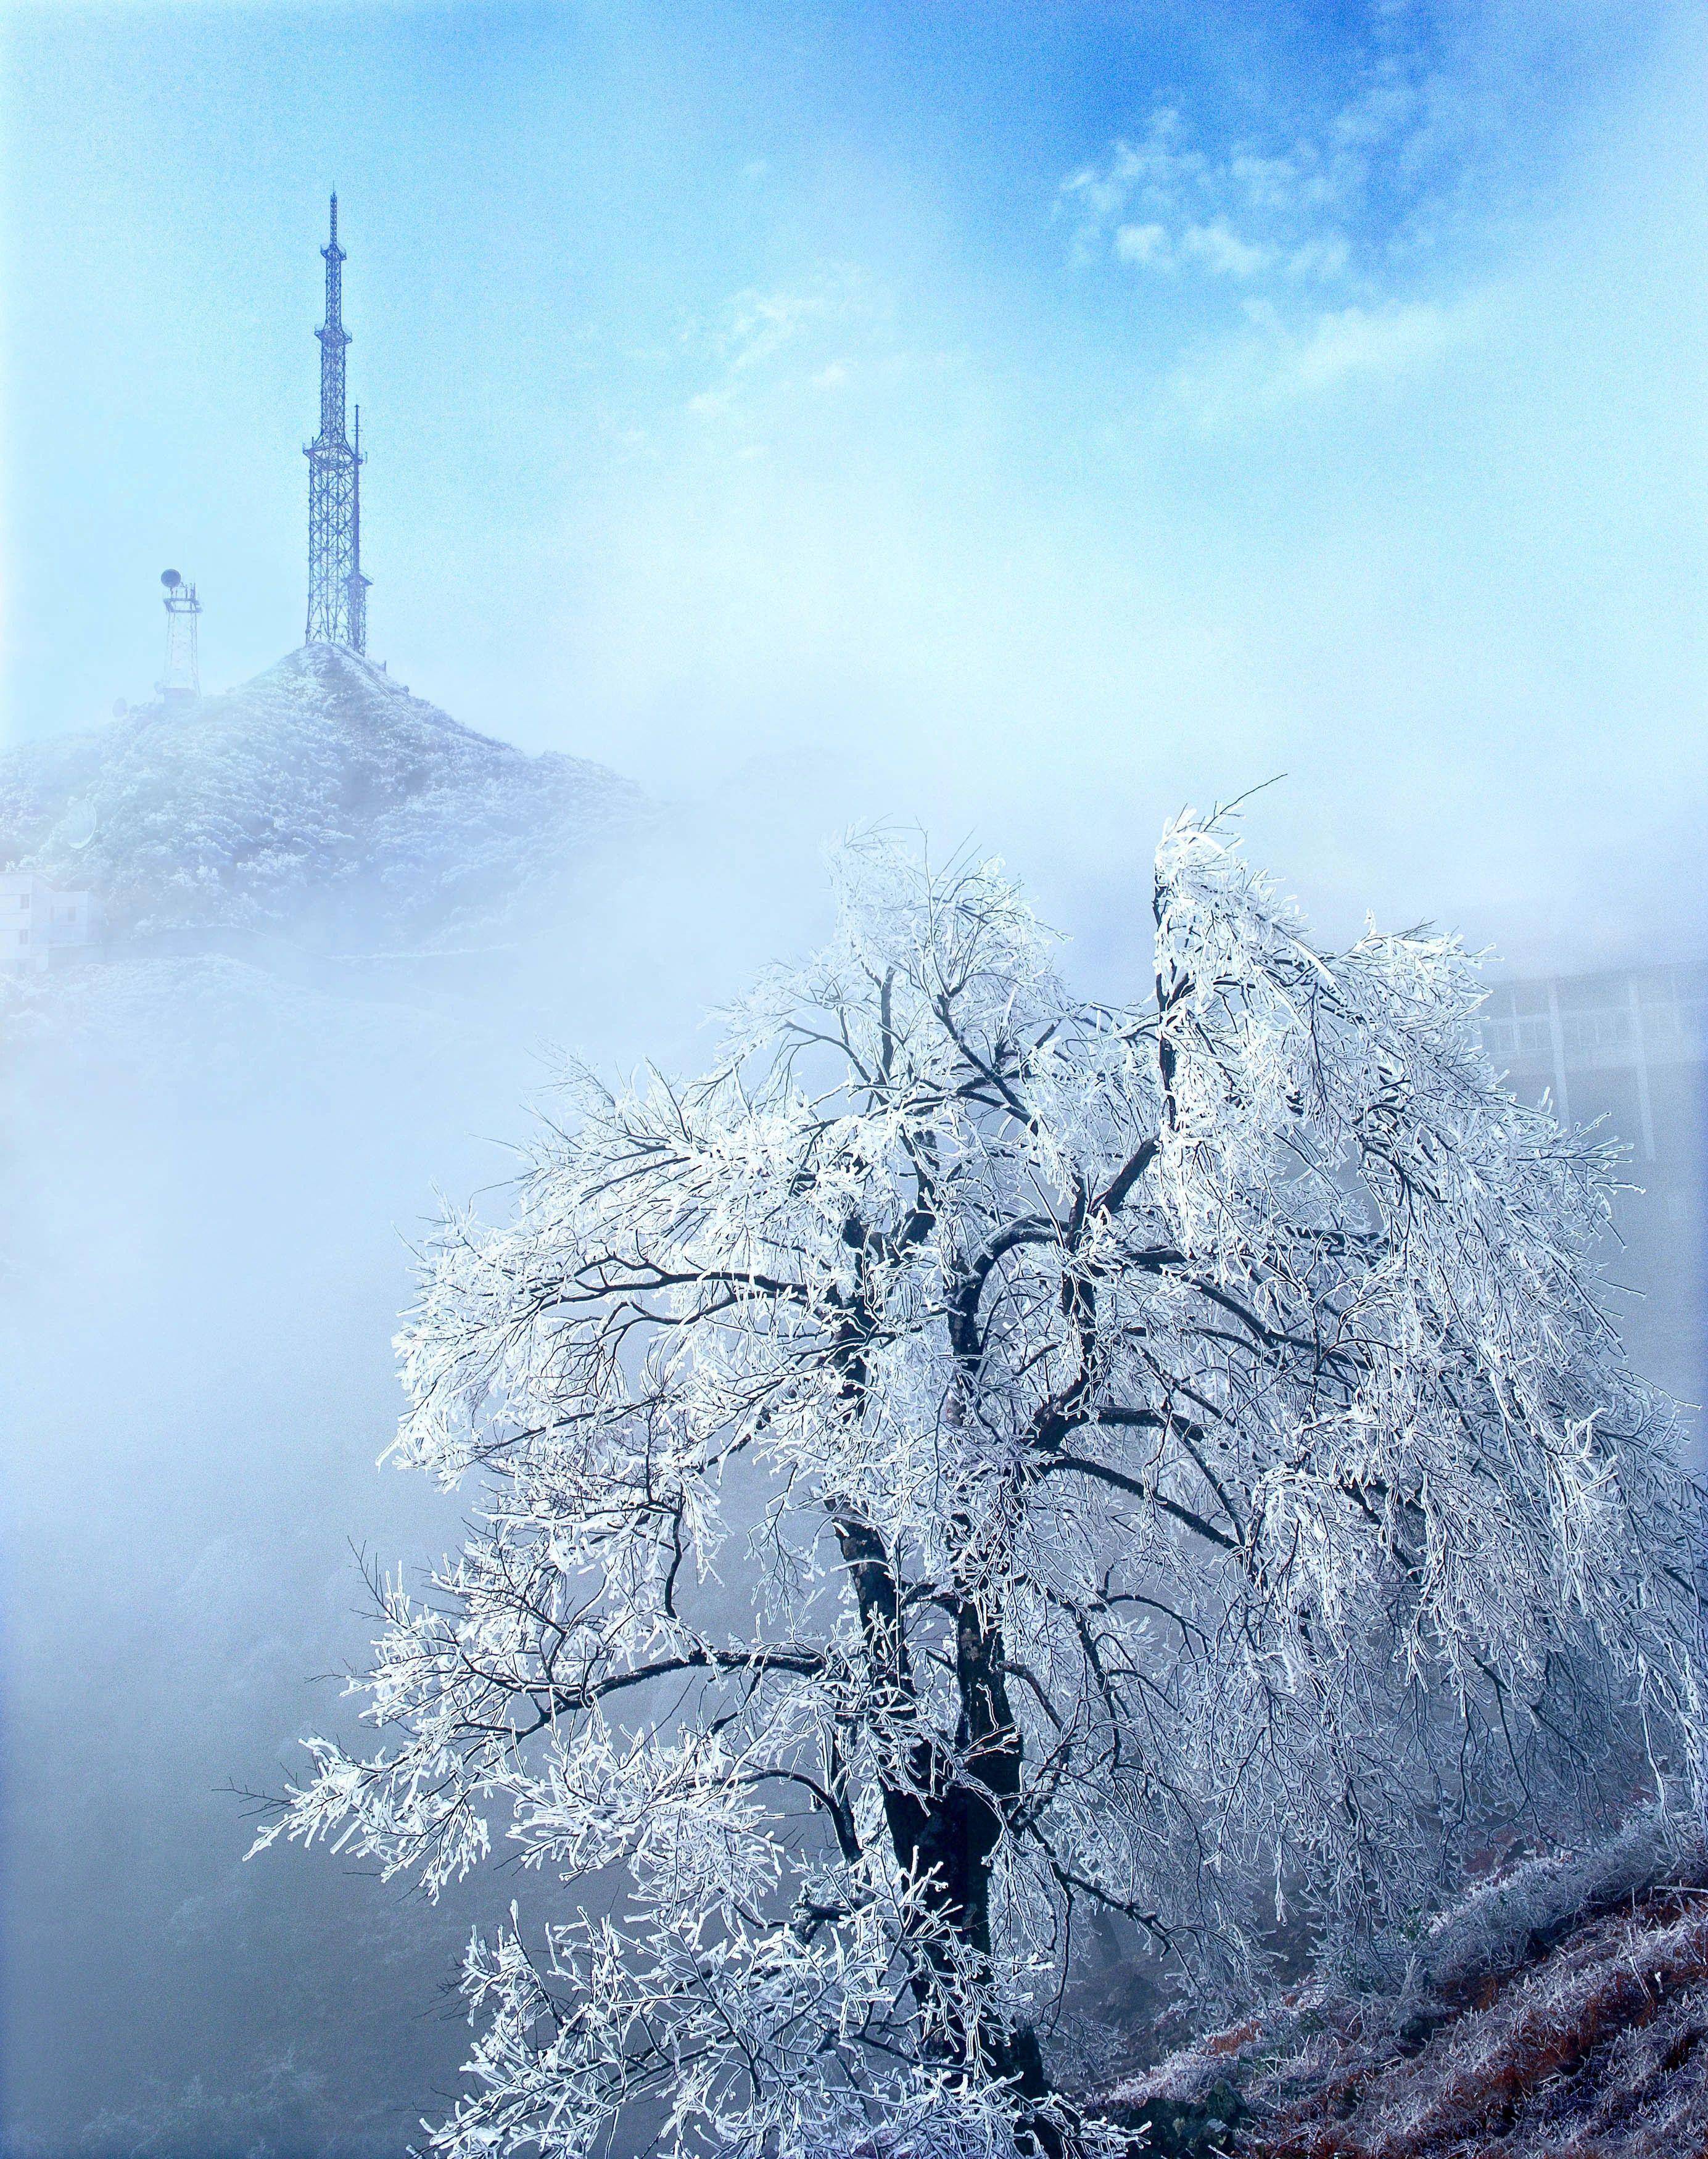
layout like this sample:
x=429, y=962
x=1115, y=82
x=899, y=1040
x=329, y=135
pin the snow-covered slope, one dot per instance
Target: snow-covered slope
x=319, y=796
x=1558, y=2011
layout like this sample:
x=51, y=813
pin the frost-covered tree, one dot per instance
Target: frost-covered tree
x=978, y=1458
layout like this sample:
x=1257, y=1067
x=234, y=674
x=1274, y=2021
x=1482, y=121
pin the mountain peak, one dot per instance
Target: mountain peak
x=331, y=665
x=320, y=795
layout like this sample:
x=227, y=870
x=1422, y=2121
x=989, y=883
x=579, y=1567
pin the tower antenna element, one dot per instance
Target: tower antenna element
x=338, y=592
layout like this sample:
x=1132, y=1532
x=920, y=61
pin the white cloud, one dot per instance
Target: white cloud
x=770, y=339
x=761, y=324
x=1144, y=243
x=1325, y=258
x=1273, y=364
x=1336, y=198
x=1387, y=110
x=1157, y=203
x=1395, y=341
x=1268, y=182
x=1219, y=248
x=1101, y=195
x=1156, y=174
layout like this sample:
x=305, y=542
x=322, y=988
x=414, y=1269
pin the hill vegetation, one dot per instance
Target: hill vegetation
x=1558, y=2011
x=318, y=795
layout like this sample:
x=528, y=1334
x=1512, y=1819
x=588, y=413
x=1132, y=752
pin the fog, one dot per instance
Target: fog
x=212, y=1190
x=827, y=484
x=215, y=1173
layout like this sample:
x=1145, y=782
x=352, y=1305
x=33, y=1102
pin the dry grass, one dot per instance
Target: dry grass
x=1559, y=2013
x=1599, y=2052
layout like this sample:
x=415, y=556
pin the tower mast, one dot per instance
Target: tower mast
x=338, y=610
x=183, y=675
x=356, y=584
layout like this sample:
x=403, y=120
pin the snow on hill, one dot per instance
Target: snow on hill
x=318, y=795
x=1558, y=2011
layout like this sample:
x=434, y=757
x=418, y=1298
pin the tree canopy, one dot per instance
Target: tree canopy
x=978, y=1458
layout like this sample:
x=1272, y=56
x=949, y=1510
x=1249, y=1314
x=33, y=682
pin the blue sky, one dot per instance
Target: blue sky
x=1024, y=418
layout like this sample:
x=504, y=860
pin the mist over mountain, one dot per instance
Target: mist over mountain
x=340, y=929
x=320, y=793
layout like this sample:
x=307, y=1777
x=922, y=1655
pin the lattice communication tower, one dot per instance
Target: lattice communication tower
x=338, y=592
x=183, y=675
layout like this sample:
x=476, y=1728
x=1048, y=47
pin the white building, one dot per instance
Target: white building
x=40, y=925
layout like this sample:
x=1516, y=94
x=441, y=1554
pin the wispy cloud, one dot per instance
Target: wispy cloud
x=1273, y=362
x=1160, y=204
x=1303, y=254
x=1145, y=243
x=1221, y=249
x=1395, y=341
x=1323, y=199
x=810, y=333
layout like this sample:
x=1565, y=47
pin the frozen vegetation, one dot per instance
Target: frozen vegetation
x=319, y=795
x=1002, y=1526
x=1560, y=2011
x=981, y=1468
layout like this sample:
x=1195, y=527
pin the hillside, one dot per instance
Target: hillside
x=1560, y=2011
x=322, y=799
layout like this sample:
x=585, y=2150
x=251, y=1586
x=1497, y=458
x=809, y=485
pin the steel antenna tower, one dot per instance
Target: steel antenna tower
x=183, y=675
x=356, y=584
x=338, y=592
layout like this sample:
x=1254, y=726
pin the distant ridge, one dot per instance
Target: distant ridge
x=317, y=800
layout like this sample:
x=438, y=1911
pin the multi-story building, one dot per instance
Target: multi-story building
x=40, y=925
x=1629, y=1049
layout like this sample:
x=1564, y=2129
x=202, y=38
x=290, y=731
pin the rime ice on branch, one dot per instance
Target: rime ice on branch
x=978, y=1457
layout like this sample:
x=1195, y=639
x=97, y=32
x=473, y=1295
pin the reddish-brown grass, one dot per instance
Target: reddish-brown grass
x=1599, y=2050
